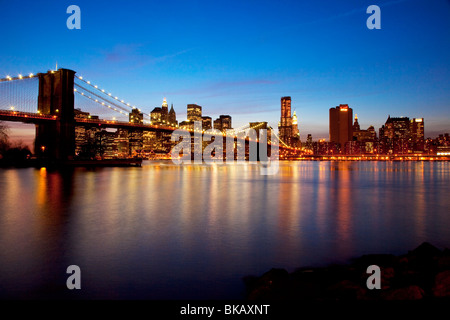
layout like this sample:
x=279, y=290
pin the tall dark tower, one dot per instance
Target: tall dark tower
x=172, y=117
x=417, y=134
x=285, y=108
x=341, y=129
x=356, y=126
x=285, y=125
x=56, y=140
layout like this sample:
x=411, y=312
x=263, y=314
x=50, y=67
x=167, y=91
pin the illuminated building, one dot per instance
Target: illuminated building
x=364, y=141
x=164, y=112
x=285, y=124
x=188, y=125
x=341, y=129
x=372, y=133
x=122, y=143
x=156, y=116
x=295, y=139
x=309, y=142
x=194, y=112
x=356, y=126
x=218, y=124
x=206, y=123
x=223, y=123
x=135, y=136
x=396, y=134
x=288, y=125
x=161, y=115
x=104, y=144
x=84, y=136
x=136, y=116
x=417, y=134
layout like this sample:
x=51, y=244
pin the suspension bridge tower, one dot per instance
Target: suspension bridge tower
x=56, y=140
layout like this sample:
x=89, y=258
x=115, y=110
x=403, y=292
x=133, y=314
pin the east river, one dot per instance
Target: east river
x=166, y=231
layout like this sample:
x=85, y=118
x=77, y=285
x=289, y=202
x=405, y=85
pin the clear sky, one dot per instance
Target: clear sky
x=240, y=57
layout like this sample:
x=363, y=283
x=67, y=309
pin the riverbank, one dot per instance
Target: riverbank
x=421, y=274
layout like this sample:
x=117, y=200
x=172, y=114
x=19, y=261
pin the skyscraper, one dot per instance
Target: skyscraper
x=417, y=134
x=396, y=134
x=194, y=112
x=356, y=126
x=285, y=125
x=164, y=111
x=295, y=132
x=341, y=129
x=223, y=123
x=288, y=125
x=206, y=123
x=162, y=116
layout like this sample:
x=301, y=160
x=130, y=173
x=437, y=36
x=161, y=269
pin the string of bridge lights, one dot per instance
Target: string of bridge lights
x=109, y=94
x=124, y=112
x=98, y=96
x=96, y=100
x=19, y=77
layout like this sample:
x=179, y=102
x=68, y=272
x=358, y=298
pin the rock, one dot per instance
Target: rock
x=425, y=250
x=423, y=261
x=345, y=290
x=442, y=284
x=423, y=273
x=387, y=274
x=412, y=292
x=274, y=275
x=269, y=286
x=443, y=263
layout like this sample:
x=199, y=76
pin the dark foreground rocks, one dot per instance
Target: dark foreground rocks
x=421, y=274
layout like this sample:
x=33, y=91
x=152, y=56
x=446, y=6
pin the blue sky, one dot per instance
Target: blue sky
x=241, y=57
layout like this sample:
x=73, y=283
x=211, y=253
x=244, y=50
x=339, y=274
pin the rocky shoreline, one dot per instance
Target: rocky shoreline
x=421, y=274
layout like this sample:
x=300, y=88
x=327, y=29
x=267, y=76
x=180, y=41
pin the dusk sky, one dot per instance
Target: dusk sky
x=240, y=57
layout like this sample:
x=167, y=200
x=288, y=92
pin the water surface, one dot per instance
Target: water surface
x=193, y=232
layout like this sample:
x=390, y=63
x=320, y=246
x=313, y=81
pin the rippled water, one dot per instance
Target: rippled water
x=193, y=232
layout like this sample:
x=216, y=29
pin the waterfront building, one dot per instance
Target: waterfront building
x=341, y=129
x=417, y=134
x=288, y=126
x=395, y=135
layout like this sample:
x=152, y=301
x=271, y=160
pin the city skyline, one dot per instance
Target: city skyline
x=242, y=57
x=302, y=137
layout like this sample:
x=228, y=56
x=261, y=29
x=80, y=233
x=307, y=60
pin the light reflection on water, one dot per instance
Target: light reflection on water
x=192, y=232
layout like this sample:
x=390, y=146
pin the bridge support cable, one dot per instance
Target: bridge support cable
x=103, y=95
x=19, y=94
